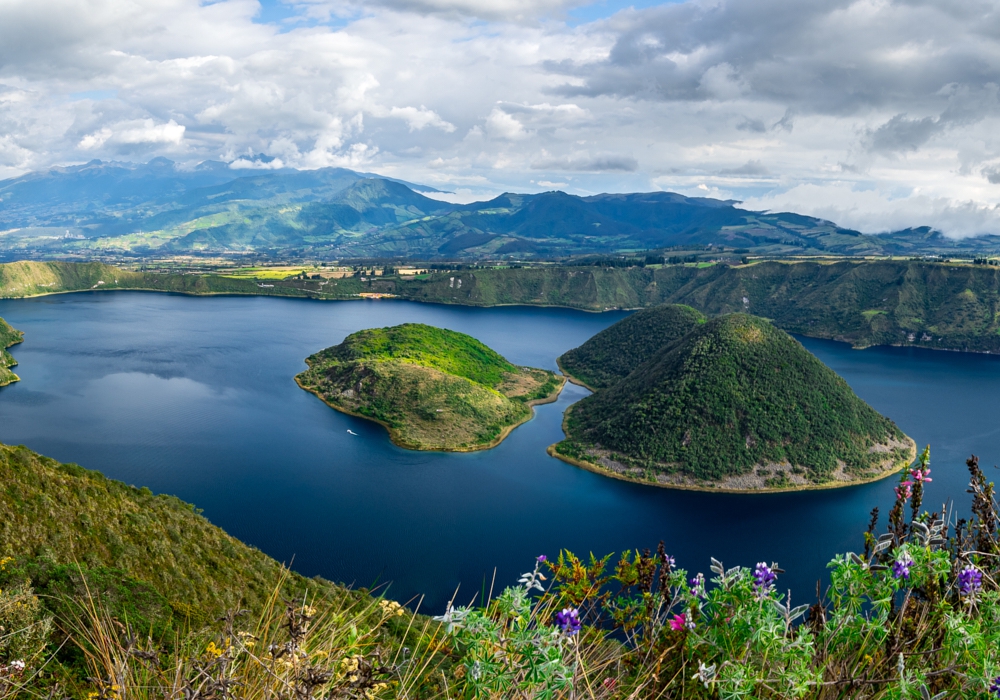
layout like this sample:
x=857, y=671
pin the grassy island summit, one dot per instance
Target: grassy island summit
x=434, y=389
x=612, y=354
x=8, y=337
x=737, y=405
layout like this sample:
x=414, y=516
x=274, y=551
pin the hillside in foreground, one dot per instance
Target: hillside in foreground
x=611, y=355
x=434, y=389
x=58, y=520
x=736, y=404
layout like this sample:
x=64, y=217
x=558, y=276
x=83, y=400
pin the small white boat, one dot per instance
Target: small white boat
x=351, y=431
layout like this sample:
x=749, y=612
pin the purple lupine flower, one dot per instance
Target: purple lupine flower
x=541, y=558
x=970, y=580
x=995, y=687
x=569, y=621
x=901, y=567
x=698, y=586
x=763, y=579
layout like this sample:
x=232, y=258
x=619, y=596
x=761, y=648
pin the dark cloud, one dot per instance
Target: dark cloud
x=607, y=162
x=826, y=56
x=752, y=168
x=901, y=134
x=754, y=125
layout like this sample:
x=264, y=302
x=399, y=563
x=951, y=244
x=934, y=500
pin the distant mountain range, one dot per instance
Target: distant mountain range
x=136, y=210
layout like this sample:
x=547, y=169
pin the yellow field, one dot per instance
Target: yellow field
x=268, y=273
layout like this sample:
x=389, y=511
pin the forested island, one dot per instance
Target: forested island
x=615, y=352
x=432, y=388
x=8, y=337
x=735, y=404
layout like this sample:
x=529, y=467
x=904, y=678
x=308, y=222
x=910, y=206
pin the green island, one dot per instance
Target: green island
x=735, y=405
x=432, y=388
x=615, y=352
x=8, y=337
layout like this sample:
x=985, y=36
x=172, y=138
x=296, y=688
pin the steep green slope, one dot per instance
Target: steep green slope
x=615, y=352
x=934, y=305
x=53, y=515
x=8, y=337
x=739, y=404
x=434, y=389
x=946, y=306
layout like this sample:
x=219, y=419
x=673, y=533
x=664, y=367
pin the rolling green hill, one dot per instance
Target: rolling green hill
x=157, y=208
x=735, y=404
x=434, y=389
x=8, y=337
x=615, y=352
x=56, y=518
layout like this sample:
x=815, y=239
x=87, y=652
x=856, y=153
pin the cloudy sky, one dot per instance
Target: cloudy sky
x=877, y=114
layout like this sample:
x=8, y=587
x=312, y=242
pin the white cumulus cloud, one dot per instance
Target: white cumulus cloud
x=873, y=113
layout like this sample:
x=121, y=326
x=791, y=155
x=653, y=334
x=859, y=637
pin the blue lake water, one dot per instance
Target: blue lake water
x=195, y=397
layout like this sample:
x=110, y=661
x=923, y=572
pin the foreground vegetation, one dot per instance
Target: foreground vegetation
x=914, y=612
x=434, y=389
x=737, y=404
x=83, y=556
x=8, y=337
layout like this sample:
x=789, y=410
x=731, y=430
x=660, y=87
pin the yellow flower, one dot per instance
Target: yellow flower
x=213, y=650
x=391, y=608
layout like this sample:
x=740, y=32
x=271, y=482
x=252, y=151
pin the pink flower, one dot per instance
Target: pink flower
x=905, y=490
x=679, y=622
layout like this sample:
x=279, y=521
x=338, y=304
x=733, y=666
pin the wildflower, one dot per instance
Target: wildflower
x=901, y=567
x=763, y=579
x=705, y=674
x=670, y=562
x=995, y=687
x=569, y=621
x=680, y=621
x=921, y=475
x=970, y=580
x=610, y=683
x=14, y=668
x=213, y=650
x=541, y=559
x=698, y=586
x=391, y=608
x=905, y=490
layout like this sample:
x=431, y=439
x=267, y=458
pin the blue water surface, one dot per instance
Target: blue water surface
x=194, y=396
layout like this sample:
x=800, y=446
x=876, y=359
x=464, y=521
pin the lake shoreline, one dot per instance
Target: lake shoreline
x=312, y=296
x=597, y=469
x=396, y=440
